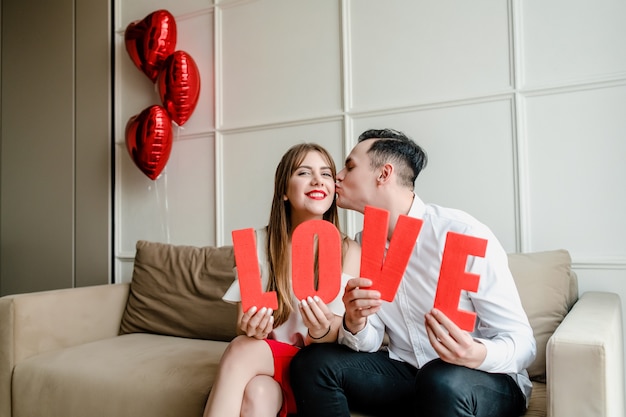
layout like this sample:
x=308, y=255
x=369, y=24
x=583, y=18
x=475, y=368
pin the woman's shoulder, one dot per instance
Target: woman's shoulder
x=350, y=244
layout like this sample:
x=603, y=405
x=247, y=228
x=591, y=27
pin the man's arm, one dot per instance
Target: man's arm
x=502, y=325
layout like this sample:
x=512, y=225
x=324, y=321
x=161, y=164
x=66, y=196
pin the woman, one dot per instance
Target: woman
x=253, y=379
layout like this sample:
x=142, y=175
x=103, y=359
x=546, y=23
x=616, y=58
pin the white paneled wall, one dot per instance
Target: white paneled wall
x=280, y=60
x=407, y=52
x=520, y=105
x=563, y=41
x=576, y=171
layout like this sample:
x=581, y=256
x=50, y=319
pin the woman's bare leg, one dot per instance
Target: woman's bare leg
x=244, y=359
x=263, y=397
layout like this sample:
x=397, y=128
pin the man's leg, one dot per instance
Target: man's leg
x=445, y=390
x=328, y=379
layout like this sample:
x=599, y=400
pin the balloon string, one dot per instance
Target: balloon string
x=167, y=210
x=164, y=208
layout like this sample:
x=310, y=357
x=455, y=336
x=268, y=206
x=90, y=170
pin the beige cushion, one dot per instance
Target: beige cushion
x=177, y=291
x=548, y=289
x=133, y=375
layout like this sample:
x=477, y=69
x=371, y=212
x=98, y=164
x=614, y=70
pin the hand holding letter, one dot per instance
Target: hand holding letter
x=257, y=324
x=316, y=316
x=360, y=303
x=452, y=344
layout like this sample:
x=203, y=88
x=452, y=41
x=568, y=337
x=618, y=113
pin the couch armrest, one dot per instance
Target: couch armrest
x=34, y=323
x=585, y=359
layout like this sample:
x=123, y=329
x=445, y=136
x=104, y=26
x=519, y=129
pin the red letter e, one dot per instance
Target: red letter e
x=453, y=279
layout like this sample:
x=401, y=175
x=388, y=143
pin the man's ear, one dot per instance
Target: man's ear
x=386, y=172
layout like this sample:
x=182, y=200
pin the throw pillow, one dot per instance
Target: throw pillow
x=177, y=291
x=548, y=289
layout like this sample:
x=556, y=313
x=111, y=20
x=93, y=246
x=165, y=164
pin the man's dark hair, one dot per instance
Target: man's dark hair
x=393, y=145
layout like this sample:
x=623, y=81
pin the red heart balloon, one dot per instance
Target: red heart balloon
x=179, y=86
x=149, y=140
x=150, y=41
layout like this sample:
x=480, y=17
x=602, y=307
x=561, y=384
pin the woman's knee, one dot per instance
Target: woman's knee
x=243, y=351
x=262, y=396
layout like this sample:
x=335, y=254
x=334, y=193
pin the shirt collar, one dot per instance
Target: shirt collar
x=418, y=208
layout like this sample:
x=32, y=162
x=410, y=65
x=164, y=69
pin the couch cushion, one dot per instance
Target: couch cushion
x=126, y=376
x=548, y=289
x=177, y=291
x=538, y=404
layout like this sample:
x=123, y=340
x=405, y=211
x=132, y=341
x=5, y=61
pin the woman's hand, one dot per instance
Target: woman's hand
x=258, y=324
x=316, y=316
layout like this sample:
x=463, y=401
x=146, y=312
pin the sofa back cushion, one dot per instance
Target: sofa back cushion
x=548, y=289
x=177, y=291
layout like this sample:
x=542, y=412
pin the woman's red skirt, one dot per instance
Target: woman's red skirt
x=282, y=353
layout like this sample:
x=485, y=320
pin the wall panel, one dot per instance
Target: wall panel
x=406, y=52
x=178, y=207
x=600, y=278
x=567, y=41
x=135, y=91
x=93, y=159
x=195, y=37
x=131, y=10
x=280, y=61
x=576, y=172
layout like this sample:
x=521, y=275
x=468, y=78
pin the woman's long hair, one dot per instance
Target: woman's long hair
x=279, y=228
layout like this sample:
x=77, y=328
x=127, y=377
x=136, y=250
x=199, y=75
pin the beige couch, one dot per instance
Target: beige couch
x=151, y=348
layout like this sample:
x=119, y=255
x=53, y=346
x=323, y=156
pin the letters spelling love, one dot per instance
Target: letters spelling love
x=385, y=271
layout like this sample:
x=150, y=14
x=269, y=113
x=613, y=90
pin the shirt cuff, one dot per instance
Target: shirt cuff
x=348, y=339
x=490, y=361
x=353, y=341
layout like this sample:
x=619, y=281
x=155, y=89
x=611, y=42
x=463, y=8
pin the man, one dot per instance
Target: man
x=431, y=367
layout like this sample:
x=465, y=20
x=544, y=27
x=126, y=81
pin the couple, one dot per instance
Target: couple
x=286, y=362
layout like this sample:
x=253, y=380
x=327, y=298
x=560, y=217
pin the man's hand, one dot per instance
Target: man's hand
x=360, y=303
x=452, y=344
x=257, y=324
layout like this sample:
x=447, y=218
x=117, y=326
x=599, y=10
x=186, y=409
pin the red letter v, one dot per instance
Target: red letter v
x=386, y=271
